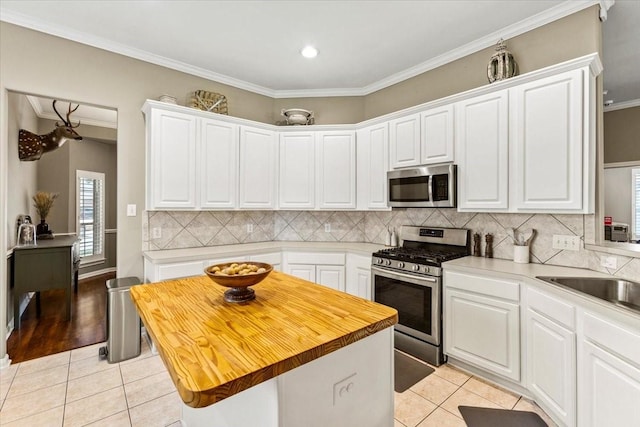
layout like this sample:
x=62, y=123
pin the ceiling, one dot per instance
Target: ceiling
x=364, y=45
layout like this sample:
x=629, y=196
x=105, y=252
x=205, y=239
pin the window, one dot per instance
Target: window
x=90, y=214
x=635, y=203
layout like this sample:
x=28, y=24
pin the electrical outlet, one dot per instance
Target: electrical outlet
x=156, y=233
x=249, y=228
x=564, y=242
x=131, y=210
x=610, y=262
x=327, y=228
x=343, y=390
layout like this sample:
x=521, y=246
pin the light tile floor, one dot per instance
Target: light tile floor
x=76, y=388
x=433, y=402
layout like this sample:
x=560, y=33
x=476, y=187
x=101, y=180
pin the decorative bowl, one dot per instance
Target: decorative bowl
x=297, y=116
x=239, y=283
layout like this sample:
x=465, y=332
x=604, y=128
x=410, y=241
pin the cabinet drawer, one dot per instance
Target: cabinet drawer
x=183, y=269
x=490, y=286
x=552, y=308
x=612, y=337
x=316, y=258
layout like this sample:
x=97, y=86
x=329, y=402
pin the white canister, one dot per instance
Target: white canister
x=521, y=254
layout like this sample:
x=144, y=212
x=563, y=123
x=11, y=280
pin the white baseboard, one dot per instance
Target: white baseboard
x=96, y=273
x=5, y=362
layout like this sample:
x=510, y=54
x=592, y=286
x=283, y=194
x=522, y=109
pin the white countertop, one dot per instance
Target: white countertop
x=179, y=255
x=515, y=271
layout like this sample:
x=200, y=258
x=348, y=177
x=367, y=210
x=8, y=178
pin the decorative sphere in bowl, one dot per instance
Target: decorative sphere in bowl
x=238, y=276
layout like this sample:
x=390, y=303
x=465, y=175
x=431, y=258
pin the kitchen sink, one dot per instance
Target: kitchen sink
x=623, y=293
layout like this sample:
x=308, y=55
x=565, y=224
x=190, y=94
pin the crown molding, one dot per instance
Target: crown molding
x=550, y=15
x=622, y=105
x=37, y=108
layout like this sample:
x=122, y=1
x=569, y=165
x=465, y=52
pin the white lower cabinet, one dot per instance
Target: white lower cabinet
x=273, y=258
x=609, y=380
x=359, y=276
x=482, y=322
x=323, y=268
x=550, y=342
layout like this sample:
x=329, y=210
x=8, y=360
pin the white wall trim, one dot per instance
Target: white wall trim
x=550, y=15
x=5, y=362
x=37, y=108
x=622, y=105
x=96, y=273
x=622, y=164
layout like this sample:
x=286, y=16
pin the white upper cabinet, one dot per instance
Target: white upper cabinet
x=171, y=160
x=436, y=135
x=529, y=148
x=258, y=168
x=404, y=140
x=547, y=149
x=297, y=171
x=482, y=144
x=317, y=170
x=218, y=164
x=336, y=173
x=372, y=167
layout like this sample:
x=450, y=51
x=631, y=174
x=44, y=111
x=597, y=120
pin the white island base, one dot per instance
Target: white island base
x=352, y=386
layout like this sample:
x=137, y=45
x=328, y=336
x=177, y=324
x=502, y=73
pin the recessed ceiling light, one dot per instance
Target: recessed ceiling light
x=309, y=52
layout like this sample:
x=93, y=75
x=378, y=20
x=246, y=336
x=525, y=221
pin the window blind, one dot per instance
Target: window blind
x=90, y=197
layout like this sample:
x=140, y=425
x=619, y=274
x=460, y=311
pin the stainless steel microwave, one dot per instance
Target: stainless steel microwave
x=423, y=187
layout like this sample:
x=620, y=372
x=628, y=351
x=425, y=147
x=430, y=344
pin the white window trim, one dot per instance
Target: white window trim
x=90, y=175
x=635, y=204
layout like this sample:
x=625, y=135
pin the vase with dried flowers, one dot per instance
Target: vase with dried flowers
x=43, y=202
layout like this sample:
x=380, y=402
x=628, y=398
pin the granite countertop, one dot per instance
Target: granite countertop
x=213, y=349
x=178, y=255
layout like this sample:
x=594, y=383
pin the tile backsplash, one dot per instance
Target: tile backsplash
x=188, y=229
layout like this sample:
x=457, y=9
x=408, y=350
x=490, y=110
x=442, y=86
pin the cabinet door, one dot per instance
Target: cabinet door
x=297, y=171
x=358, y=276
x=483, y=331
x=551, y=366
x=331, y=276
x=258, y=162
x=336, y=177
x=171, y=160
x=218, y=164
x=609, y=380
x=547, y=143
x=436, y=135
x=404, y=141
x=481, y=134
x=303, y=271
x=372, y=167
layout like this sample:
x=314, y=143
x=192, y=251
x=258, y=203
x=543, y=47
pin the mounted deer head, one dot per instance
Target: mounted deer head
x=32, y=146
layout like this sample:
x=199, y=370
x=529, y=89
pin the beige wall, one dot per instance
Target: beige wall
x=22, y=176
x=568, y=38
x=622, y=135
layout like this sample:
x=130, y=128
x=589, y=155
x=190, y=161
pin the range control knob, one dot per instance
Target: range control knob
x=379, y=261
x=426, y=269
x=401, y=264
x=416, y=268
x=387, y=262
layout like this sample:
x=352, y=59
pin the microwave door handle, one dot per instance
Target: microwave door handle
x=430, y=185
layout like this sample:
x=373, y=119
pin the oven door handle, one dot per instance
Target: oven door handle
x=406, y=276
x=430, y=185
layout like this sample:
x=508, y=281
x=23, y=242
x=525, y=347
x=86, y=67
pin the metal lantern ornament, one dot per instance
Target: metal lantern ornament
x=502, y=65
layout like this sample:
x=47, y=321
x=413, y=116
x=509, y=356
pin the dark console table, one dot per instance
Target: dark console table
x=47, y=265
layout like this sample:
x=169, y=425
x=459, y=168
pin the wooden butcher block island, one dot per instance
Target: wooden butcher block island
x=298, y=342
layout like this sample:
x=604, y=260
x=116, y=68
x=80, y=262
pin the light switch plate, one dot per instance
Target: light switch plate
x=566, y=242
x=249, y=228
x=327, y=228
x=131, y=210
x=156, y=233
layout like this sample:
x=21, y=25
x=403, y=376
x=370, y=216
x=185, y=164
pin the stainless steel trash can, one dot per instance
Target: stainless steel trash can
x=123, y=322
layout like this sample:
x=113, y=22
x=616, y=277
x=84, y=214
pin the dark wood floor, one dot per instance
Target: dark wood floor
x=51, y=333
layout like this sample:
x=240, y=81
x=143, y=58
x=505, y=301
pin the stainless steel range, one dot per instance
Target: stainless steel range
x=409, y=279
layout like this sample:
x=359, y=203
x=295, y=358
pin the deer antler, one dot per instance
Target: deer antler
x=69, y=113
x=54, y=109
